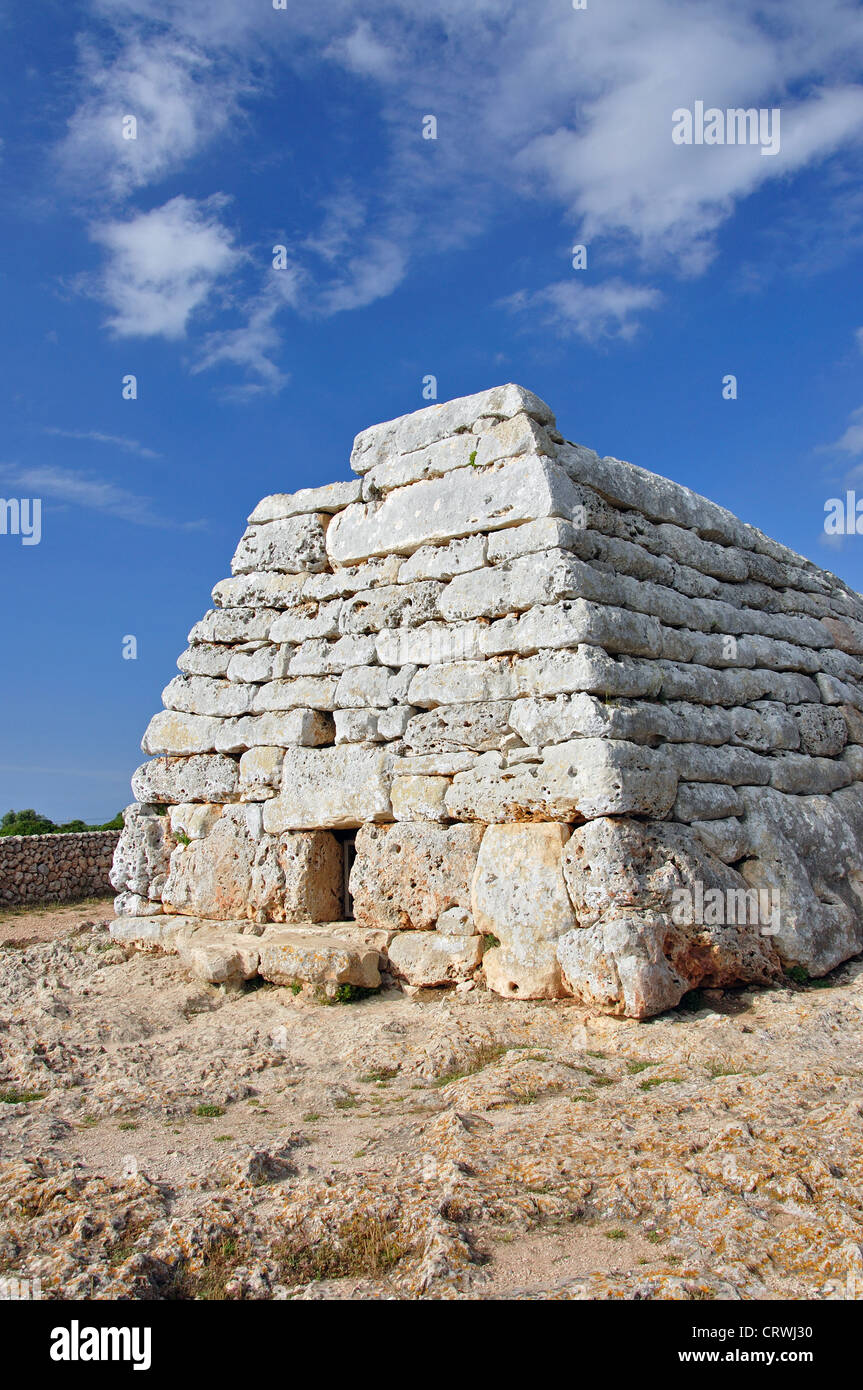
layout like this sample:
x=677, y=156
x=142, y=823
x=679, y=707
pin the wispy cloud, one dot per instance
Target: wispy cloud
x=573, y=108
x=117, y=441
x=591, y=312
x=179, y=94
x=94, y=494
x=851, y=440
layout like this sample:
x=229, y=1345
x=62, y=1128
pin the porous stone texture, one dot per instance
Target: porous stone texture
x=498, y=657
x=54, y=868
x=407, y=875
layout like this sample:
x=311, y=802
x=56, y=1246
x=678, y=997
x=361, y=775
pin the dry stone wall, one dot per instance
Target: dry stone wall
x=560, y=723
x=56, y=868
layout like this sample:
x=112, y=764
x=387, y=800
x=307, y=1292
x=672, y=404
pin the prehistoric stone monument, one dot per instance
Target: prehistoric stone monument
x=502, y=709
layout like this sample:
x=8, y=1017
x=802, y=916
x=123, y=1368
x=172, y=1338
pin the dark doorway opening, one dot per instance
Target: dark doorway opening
x=348, y=840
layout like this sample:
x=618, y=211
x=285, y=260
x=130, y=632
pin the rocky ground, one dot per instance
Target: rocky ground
x=164, y=1139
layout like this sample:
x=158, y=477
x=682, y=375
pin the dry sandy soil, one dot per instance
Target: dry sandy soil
x=164, y=1139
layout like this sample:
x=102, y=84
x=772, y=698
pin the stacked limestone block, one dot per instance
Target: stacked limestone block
x=547, y=691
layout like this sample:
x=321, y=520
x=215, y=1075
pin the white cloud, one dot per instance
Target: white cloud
x=179, y=95
x=129, y=446
x=591, y=312
x=534, y=102
x=371, y=274
x=361, y=52
x=851, y=442
x=92, y=493
x=163, y=266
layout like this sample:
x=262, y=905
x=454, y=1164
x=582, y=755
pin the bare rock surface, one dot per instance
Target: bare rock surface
x=165, y=1138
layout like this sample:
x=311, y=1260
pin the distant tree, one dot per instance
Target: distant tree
x=27, y=822
x=30, y=822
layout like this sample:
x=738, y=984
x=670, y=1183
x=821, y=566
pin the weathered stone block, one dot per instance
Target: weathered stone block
x=518, y=896
x=331, y=787
x=406, y=875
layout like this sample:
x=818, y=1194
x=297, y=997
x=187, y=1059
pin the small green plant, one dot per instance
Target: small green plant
x=616, y=1234
x=602, y=1081
x=652, y=1081
x=344, y=994
x=490, y=942
x=582, y=1095
x=14, y=1097
x=128, y=1124
x=797, y=974
x=378, y=1074
x=481, y=1057
x=296, y=987
x=222, y=1138
x=635, y=1067
x=345, y=1103
x=599, y=1055
x=472, y=458
x=182, y=838
x=209, y=1112
x=311, y=1116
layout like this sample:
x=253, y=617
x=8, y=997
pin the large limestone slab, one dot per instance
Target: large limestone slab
x=571, y=782
x=291, y=958
x=639, y=945
x=234, y=871
x=307, y=728
x=459, y=504
x=331, y=497
x=172, y=733
x=423, y=427
x=518, y=896
x=430, y=959
x=293, y=546
x=199, y=777
x=342, y=786
x=407, y=875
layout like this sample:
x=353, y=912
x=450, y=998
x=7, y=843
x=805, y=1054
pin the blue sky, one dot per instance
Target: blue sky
x=302, y=127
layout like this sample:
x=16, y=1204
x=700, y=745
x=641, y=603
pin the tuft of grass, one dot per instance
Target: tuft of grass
x=208, y=1284
x=635, y=1067
x=717, y=1069
x=346, y=1103
x=616, y=1234
x=182, y=838
x=472, y=458
x=652, y=1081
x=15, y=1097
x=128, y=1124
x=481, y=1057
x=378, y=1074
x=222, y=1138
x=602, y=1081
x=345, y=994
x=311, y=1116
x=489, y=941
x=364, y=1245
x=209, y=1112
x=599, y=1055
x=582, y=1095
